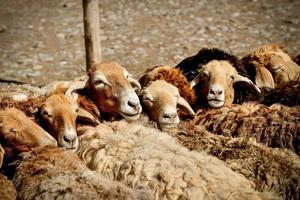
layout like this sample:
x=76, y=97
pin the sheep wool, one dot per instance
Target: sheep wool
x=7, y=190
x=142, y=156
x=52, y=173
x=273, y=170
x=274, y=126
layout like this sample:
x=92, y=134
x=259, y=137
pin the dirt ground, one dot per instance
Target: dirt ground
x=42, y=40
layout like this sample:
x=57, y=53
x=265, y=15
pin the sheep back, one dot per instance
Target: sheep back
x=52, y=173
x=141, y=156
x=275, y=170
x=274, y=126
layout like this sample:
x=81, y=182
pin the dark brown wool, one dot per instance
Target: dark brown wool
x=275, y=126
x=276, y=170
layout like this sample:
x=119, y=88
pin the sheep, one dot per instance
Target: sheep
x=113, y=90
x=142, y=156
x=56, y=113
x=18, y=134
x=214, y=73
x=274, y=126
x=275, y=170
x=53, y=173
x=160, y=100
x=271, y=67
x=7, y=190
x=172, y=76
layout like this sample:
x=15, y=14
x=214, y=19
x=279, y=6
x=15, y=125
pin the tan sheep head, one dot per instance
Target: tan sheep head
x=161, y=100
x=113, y=90
x=273, y=66
x=19, y=133
x=283, y=71
x=59, y=114
x=216, y=81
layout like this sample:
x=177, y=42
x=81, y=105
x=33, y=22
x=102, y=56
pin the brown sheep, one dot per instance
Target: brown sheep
x=172, y=76
x=214, y=73
x=7, y=190
x=53, y=173
x=274, y=126
x=276, y=170
x=112, y=89
x=271, y=67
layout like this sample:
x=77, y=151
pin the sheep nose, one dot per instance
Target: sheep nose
x=169, y=115
x=69, y=138
x=215, y=91
x=133, y=104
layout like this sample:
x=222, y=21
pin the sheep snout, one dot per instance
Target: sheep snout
x=69, y=139
x=215, y=96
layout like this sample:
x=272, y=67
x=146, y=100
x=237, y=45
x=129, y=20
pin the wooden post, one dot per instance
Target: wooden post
x=92, y=40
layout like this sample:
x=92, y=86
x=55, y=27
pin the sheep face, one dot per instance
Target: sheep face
x=20, y=133
x=283, y=70
x=113, y=90
x=216, y=81
x=59, y=115
x=161, y=100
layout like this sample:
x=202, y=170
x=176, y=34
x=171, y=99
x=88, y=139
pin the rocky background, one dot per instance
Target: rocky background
x=42, y=40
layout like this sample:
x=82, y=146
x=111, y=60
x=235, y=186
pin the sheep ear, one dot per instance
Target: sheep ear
x=135, y=84
x=264, y=78
x=196, y=80
x=240, y=78
x=85, y=116
x=78, y=84
x=186, y=106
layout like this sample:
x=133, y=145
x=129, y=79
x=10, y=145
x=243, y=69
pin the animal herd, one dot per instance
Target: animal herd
x=213, y=127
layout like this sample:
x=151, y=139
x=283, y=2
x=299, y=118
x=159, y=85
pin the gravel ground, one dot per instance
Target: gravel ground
x=42, y=40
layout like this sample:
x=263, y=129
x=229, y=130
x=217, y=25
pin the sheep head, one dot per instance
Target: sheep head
x=216, y=80
x=273, y=67
x=161, y=100
x=59, y=114
x=113, y=90
x=19, y=133
x=283, y=71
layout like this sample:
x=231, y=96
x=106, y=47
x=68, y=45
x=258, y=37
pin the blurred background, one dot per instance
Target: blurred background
x=43, y=40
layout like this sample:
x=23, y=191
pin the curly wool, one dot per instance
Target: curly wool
x=52, y=173
x=7, y=190
x=1, y=155
x=274, y=126
x=141, y=156
x=172, y=76
x=273, y=170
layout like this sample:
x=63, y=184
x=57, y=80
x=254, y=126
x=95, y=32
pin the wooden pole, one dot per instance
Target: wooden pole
x=92, y=40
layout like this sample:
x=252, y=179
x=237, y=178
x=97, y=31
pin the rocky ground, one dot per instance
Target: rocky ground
x=42, y=40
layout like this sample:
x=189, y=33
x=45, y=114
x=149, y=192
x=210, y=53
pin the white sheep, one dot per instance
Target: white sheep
x=142, y=156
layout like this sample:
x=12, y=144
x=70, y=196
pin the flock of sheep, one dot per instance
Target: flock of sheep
x=213, y=127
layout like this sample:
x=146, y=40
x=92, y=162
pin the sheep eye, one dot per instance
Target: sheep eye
x=232, y=77
x=277, y=69
x=99, y=84
x=45, y=114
